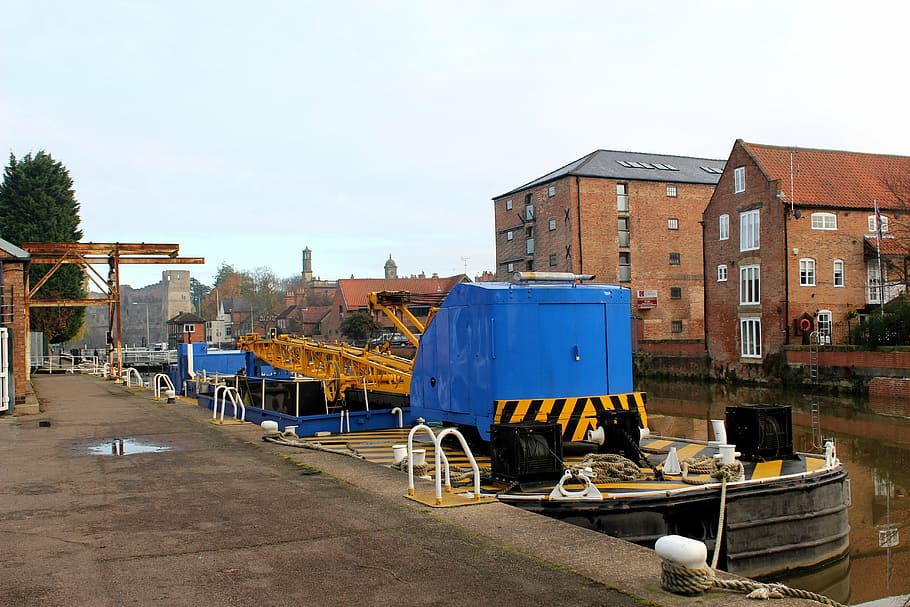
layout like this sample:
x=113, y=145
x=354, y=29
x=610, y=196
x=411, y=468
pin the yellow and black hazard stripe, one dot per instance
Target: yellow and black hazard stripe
x=575, y=415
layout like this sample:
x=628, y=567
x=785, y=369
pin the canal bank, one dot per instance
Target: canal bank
x=211, y=514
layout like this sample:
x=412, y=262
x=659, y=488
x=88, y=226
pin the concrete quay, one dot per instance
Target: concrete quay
x=220, y=517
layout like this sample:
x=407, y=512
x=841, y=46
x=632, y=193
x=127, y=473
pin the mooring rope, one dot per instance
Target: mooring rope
x=682, y=580
x=611, y=466
x=705, y=464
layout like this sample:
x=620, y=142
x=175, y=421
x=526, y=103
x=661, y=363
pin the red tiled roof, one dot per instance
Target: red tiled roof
x=834, y=178
x=355, y=290
x=889, y=246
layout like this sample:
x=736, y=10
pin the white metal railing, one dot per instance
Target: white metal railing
x=161, y=380
x=127, y=374
x=228, y=392
x=441, y=461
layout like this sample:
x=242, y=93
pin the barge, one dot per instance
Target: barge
x=535, y=377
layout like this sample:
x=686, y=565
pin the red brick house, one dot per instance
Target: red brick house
x=185, y=328
x=628, y=218
x=351, y=296
x=14, y=264
x=790, y=248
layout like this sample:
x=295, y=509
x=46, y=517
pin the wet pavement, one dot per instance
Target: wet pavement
x=108, y=497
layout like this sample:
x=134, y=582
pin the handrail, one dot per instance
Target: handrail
x=166, y=381
x=125, y=375
x=228, y=391
x=441, y=461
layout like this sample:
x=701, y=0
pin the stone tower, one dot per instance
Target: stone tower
x=176, y=293
x=391, y=268
x=307, y=264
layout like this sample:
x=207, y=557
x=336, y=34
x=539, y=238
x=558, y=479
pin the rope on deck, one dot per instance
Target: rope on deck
x=682, y=580
x=611, y=466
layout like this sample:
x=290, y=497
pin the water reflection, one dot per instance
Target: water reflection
x=873, y=441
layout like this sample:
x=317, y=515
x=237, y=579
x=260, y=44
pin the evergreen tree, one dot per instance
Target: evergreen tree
x=38, y=204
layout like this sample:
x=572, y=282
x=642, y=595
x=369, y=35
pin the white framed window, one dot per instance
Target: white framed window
x=510, y=235
x=530, y=247
x=838, y=276
x=551, y=191
x=748, y=230
x=722, y=273
x=509, y=204
x=807, y=272
x=871, y=220
x=824, y=324
x=622, y=197
x=824, y=221
x=510, y=267
x=739, y=180
x=750, y=285
x=189, y=328
x=673, y=223
x=552, y=260
x=529, y=211
x=552, y=224
x=723, y=227
x=671, y=191
x=750, y=337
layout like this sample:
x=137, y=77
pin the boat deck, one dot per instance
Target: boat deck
x=376, y=446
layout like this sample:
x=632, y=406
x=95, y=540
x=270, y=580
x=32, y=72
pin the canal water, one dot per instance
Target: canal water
x=873, y=441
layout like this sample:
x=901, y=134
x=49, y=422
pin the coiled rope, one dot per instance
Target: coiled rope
x=682, y=580
x=611, y=466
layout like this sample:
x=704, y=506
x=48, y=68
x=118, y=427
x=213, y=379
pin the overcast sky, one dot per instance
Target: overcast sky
x=245, y=131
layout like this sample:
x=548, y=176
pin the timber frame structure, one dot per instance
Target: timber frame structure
x=86, y=256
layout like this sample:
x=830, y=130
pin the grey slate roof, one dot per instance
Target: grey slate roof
x=13, y=250
x=606, y=163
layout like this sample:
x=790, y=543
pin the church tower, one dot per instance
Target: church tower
x=307, y=264
x=391, y=268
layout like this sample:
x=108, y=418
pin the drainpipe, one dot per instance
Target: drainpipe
x=704, y=283
x=787, y=276
x=578, y=213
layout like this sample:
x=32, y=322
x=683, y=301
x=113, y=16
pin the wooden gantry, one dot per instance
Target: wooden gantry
x=87, y=255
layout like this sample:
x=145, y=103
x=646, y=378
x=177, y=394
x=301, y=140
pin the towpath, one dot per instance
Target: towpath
x=220, y=517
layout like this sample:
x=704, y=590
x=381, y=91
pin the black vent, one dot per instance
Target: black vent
x=760, y=432
x=526, y=452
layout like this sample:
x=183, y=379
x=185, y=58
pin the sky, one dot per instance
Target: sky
x=245, y=132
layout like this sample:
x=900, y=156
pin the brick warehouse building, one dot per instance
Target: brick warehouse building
x=790, y=247
x=628, y=218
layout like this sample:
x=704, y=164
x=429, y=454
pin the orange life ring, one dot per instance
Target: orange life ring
x=805, y=324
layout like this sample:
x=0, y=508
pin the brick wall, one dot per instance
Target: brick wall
x=14, y=283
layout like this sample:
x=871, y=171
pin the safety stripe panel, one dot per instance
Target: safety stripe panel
x=575, y=415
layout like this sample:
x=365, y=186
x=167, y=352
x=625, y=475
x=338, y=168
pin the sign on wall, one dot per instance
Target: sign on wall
x=647, y=298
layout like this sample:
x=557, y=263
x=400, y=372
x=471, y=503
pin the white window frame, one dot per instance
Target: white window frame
x=622, y=197
x=510, y=267
x=671, y=191
x=872, y=226
x=529, y=211
x=723, y=227
x=673, y=223
x=189, y=328
x=551, y=224
x=739, y=180
x=509, y=204
x=530, y=246
x=824, y=324
x=837, y=277
x=551, y=191
x=750, y=285
x=807, y=272
x=750, y=337
x=749, y=230
x=722, y=273
x=510, y=235
x=824, y=221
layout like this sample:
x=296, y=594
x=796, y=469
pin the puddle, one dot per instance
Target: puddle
x=125, y=446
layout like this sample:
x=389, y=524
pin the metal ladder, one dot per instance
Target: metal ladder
x=813, y=356
x=816, y=426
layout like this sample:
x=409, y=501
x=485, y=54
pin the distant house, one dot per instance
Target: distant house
x=185, y=328
x=352, y=293
x=792, y=243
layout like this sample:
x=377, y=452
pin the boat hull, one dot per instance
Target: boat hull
x=770, y=528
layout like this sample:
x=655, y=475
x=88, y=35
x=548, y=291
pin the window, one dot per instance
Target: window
x=676, y=326
x=552, y=259
x=824, y=221
x=530, y=246
x=529, y=232
x=625, y=266
x=529, y=208
x=750, y=285
x=675, y=292
x=622, y=197
x=671, y=191
x=807, y=272
x=189, y=328
x=509, y=235
x=551, y=191
x=750, y=337
x=824, y=324
x=739, y=180
x=838, y=279
x=673, y=223
x=509, y=204
x=510, y=267
x=723, y=227
x=872, y=223
x=748, y=230
x=552, y=224
x=722, y=273
x=674, y=259
x=529, y=266
x=624, y=239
